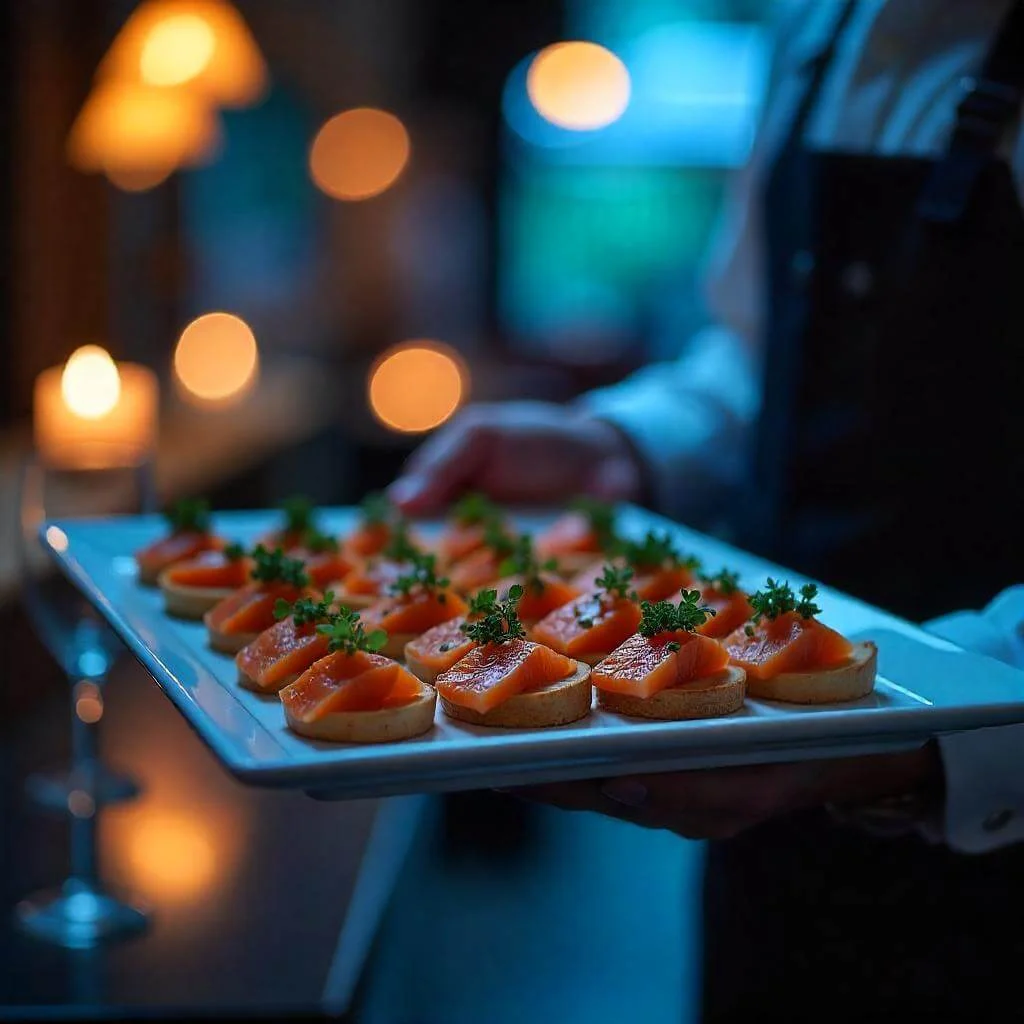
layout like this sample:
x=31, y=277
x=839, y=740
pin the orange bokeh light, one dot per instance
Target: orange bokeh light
x=216, y=359
x=359, y=153
x=90, y=382
x=172, y=854
x=416, y=386
x=577, y=85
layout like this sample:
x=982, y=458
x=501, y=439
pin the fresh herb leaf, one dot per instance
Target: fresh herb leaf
x=724, y=581
x=234, y=552
x=400, y=547
x=601, y=519
x=318, y=543
x=498, y=539
x=523, y=562
x=673, y=645
x=276, y=567
x=777, y=599
x=421, y=577
x=483, y=603
x=615, y=582
x=655, y=551
x=664, y=616
x=376, y=509
x=306, y=611
x=345, y=632
x=189, y=515
x=299, y=514
x=473, y=508
x=500, y=625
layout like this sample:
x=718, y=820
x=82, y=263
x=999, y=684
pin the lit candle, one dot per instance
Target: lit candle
x=93, y=413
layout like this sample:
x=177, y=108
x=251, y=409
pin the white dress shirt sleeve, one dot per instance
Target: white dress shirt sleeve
x=984, y=768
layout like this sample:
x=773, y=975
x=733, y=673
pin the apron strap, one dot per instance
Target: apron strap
x=991, y=105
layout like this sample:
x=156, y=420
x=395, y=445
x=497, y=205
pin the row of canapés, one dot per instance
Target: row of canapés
x=359, y=635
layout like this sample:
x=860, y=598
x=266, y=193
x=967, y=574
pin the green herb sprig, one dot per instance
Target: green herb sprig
x=346, y=632
x=276, y=567
x=656, y=551
x=500, y=625
x=376, y=509
x=299, y=514
x=777, y=599
x=483, y=603
x=664, y=616
x=189, y=515
x=724, y=581
x=421, y=577
x=318, y=543
x=616, y=582
x=474, y=508
x=600, y=517
x=234, y=552
x=523, y=562
x=305, y=610
x=400, y=547
x=498, y=539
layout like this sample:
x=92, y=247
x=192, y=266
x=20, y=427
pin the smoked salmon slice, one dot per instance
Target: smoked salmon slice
x=324, y=567
x=250, y=609
x=489, y=675
x=212, y=569
x=643, y=666
x=594, y=624
x=343, y=682
x=368, y=539
x=788, y=643
x=441, y=646
x=731, y=610
x=415, y=612
x=541, y=595
x=476, y=570
x=375, y=576
x=282, y=651
x=187, y=544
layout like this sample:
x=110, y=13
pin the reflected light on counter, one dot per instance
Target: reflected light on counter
x=204, y=45
x=577, y=85
x=56, y=538
x=216, y=359
x=416, y=386
x=130, y=129
x=359, y=153
x=171, y=855
x=90, y=382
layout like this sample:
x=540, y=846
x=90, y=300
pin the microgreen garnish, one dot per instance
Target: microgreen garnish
x=498, y=539
x=400, y=547
x=724, y=581
x=483, y=603
x=501, y=624
x=317, y=542
x=276, y=567
x=664, y=616
x=615, y=582
x=346, y=632
x=778, y=598
x=299, y=514
x=523, y=562
x=601, y=518
x=422, y=576
x=474, y=508
x=305, y=610
x=655, y=551
x=375, y=508
x=189, y=515
x=234, y=552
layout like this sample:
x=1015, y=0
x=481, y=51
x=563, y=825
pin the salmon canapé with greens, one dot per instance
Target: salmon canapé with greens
x=374, y=529
x=543, y=590
x=189, y=535
x=660, y=571
x=224, y=569
x=437, y=649
x=732, y=607
x=467, y=526
x=587, y=529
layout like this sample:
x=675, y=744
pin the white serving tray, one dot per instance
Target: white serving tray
x=926, y=686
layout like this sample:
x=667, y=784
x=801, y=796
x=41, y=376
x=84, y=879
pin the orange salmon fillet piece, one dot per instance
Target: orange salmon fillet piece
x=323, y=567
x=373, y=577
x=175, y=548
x=281, y=651
x=476, y=570
x=569, y=533
x=643, y=666
x=349, y=682
x=489, y=675
x=458, y=540
x=250, y=609
x=610, y=624
x=415, y=613
x=662, y=584
x=368, y=539
x=538, y=602
x=210, y=569
x=427, y=648
x=788, y=643
x=731, y=612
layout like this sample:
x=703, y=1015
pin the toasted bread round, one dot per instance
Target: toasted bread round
x=189, y=602
x=846, y=682
x=148, y=576
x=227, y=643
x=395, y=646
x=711, y=697
x=384, y=726
x=425, y=673
x=568, y=700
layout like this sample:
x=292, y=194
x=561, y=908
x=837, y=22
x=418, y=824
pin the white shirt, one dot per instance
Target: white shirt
x=892, y=88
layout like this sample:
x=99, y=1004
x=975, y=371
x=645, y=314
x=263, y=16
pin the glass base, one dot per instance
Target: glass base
x=77, y=791
x=77, y=916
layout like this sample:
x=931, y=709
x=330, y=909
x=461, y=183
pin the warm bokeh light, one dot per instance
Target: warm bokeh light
x=359, y=153
x=56, y=538
x=81, y=804
x=176, y=50
x=130, y=129
x=204, y=45
x=416, y=386
x=88, y=702
x=90, y=383
x=138, y=181
x=578, y=85
x=216, y=358
x=171, y=854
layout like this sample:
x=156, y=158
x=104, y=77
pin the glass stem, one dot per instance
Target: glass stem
x=83, y=799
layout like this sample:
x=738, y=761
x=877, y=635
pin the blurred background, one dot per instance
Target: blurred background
x=320, y=227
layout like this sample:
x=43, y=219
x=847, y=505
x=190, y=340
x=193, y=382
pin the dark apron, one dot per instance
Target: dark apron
x=889, y=463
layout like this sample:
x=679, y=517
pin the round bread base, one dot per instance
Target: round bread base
x=249, y=683
x=847, y=682
x=190, y=602
x=229, y=643
x=384, y=726
x=559, y=703
x=711, y=697
x=148, y=577
x=395, y=646
x=423, y=672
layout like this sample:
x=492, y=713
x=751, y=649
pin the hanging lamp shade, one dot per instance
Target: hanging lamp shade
x=202, y=45
x=131, y=130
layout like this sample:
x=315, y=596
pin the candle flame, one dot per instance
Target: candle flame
x=176, y=50
x=90, y=383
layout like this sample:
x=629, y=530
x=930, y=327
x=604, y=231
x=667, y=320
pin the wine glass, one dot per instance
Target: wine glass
x=81, y=912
